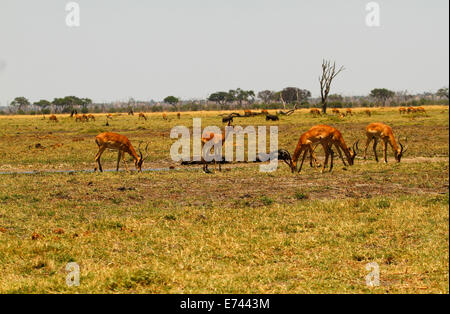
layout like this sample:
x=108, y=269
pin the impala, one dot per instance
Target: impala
x=216, y=138
x=380, y=131
x=411, y=110
x=91, y=117
x=368, y=112
x=53, y=118
x=349, y=111
x=142, y=115
x=164, y=116
x=315, y=111
x=335, y=111
x=326, y=136
x=114, y=141
x=402, y=110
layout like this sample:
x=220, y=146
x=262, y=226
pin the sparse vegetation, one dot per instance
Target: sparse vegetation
x=248, y=232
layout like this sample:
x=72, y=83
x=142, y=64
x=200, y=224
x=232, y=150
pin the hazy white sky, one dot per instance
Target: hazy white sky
x=190, y=48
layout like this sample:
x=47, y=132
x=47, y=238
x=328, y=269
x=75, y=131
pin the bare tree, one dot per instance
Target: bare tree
x=328, y=74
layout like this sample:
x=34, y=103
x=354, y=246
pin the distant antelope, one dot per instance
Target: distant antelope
x=335, y=111
x=412, y=110
x=421, y=110
x=380, y=131
x=114, y=141
x=164, y=116
x=368, y=112
x=314, y=111
x=402, y=110
x=142, y=115
x=179, y=115
x=109, y=116
x=349, y=111
x=53, y=118
x=91, y=117
x=264, y=111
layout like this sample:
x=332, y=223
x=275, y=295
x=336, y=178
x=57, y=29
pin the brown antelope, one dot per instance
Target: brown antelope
x=402, y=110
x=142, y=115
x=179, y=115
x=114, y=141
x=91, y=117
x=53, y=118
x=335, y=111
x=109, y=116
x=216, y=138
x=368, y=112
x=411, y=110
x=326, y=136
x=341, y=115
x=349, y=112
x=248, y=113
x=380, y=131
x=421, y=110
x=314, y=111
x=164, y=116
x=78, y=118
x=264, y=111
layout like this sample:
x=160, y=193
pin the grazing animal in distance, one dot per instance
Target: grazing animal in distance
x=315, y=111
x=382, y=132
x=335, y=111
x=368, y=112
x=114, y=141
x=349, y=112
x=179, y=115
x=421, y=110
x=270, y=117
x=90, y=117
x=264, y=111
x=164, y=116
x=142, y=116
x=402, y=110
x=411, y=110
x=53, y=118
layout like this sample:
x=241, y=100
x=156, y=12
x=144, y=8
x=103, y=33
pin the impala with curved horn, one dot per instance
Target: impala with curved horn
x=114, y=141
x=380, y=131
x=327, y=136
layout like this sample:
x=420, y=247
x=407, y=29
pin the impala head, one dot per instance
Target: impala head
x=400, y=151
x=138, y=162
x=353, y=153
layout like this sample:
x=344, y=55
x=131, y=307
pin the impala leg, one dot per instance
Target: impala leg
x=375, y=149
x=340, y=154
x=367, y=146
x=97, y=159
x=385, y=151
x=327, y=154
x=303, y=160
x=332, y=158
x=119, y=156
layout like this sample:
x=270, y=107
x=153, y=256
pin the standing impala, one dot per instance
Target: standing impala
x=326, y=136
x=380, y=131
x=114, y=141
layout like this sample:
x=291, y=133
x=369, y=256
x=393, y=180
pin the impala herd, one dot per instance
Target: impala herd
x=326, y=136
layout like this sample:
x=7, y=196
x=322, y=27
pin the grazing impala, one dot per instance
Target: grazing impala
x=315, y=111
x=402, y=110
x=53, y=118
x=142, y=115
x=326, y=136
x=114, y=141
x=380, y=131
